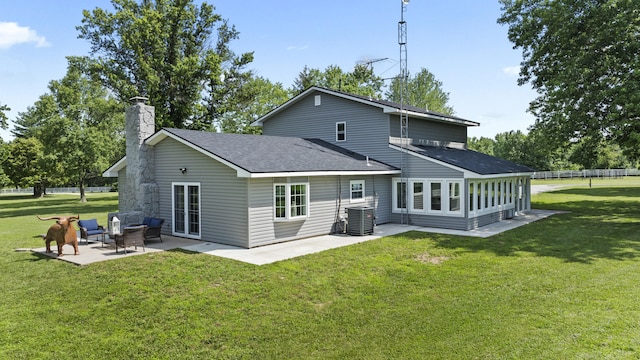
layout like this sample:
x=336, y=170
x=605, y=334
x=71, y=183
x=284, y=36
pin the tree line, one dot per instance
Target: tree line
x=178, y=54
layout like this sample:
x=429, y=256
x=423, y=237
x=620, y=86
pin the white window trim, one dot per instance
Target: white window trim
x=354, y=182
x=287, y=212
x=394, y=195
x=345, y=131
x=443, y=191
x=186, y=201
x=507, y=195
x=426, y=200
x=411, y=198
x=461, y=197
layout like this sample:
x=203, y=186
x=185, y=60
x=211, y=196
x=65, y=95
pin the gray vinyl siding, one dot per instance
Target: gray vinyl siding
x=223, y=196
x=429, y=130
x=486, y=219
x=325, y=207
x=367, y=126
x=443, y=222
x=422, y=168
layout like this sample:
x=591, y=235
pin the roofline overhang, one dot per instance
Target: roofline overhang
x=316, y=173
x=385, y=109
x=467, y=174
x=115, y=168
x=163, y=134
x=240, y=172
x=413, y=114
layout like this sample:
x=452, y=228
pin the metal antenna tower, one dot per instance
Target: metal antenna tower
x=404, y=118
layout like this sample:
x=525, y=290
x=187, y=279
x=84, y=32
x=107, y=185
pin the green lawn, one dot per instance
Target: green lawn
x=566, y=287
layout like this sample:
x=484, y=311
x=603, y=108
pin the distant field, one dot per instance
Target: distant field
x=622, y=181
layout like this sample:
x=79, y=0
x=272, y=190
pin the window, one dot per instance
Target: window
x=357, y=190
x=486, y=195
x=417, y=196
x=432, y=197
x=492, y=194
x=341, y=131
x=399, y=195
x=472, y=188
x=454, y=197
x=290, y=201
x=436, y=196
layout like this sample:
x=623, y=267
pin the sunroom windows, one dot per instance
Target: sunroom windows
x=429, y=197
x=486, y=196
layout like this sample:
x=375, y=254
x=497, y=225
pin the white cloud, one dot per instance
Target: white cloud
x=12, y=34
x=298, y=48
x=512, y=71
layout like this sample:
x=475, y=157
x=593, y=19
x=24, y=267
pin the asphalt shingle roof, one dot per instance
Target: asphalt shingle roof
x=474, y=161
x=274, y=154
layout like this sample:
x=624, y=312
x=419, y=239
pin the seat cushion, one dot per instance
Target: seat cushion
x=95, y=232
x=90, y=224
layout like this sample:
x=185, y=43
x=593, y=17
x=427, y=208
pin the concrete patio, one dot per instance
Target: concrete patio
x=94, y=251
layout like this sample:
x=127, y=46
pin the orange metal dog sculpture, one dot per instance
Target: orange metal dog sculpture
x=62, y=232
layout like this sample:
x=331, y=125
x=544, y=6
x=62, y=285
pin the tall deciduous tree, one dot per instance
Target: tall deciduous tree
x=4, y=153
x=23, y=161
x=3, y=117
x=361, y=81
x=583, y=59
x=482, y=144
x=80, y=126
x=258, y=97
x=172, y=51
x=423, y=90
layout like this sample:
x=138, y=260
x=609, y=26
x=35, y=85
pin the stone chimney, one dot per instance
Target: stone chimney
x=140, y=192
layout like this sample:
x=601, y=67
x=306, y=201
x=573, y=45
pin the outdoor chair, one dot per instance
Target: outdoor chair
x=90, y=228
x=131, y=236
x=154, y=226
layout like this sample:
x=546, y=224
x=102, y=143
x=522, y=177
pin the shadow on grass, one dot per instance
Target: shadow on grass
x=14, y=206
x=602, y=223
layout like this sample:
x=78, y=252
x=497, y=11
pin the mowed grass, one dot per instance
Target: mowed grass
x=565, y=287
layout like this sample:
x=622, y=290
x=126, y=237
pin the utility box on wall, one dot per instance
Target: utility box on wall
x=360, y=220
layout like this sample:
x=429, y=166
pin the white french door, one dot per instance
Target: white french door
x=186, y=210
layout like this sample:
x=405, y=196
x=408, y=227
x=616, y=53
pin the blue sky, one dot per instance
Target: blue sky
x=459, y=41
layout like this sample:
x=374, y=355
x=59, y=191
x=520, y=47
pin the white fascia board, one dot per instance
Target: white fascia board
x=317, y=173
x=466, y=173
x=162, y=134
x=115, y=168
x=392, y=110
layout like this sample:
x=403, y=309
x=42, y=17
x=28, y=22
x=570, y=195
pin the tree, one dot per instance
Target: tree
x=361, y=81
x=23, y=161
x=166, y=50
x=257, y=97
x=80, y=126
x=582, y=57
x=423, y=91
x=4, y=154
x=3, y=117
x=483, y=145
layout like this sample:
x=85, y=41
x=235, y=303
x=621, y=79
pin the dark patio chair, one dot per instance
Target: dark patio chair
x=90, y=228
x=131, y=235
x=154, y=226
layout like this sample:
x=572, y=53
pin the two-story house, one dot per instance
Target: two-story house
x=321, y=152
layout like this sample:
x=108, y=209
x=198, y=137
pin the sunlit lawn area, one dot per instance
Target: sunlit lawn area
x=566, y=287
